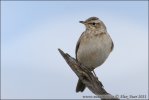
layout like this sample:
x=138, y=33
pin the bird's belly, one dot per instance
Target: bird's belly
x=93, y=53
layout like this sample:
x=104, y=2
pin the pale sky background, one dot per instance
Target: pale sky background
x=32, y=31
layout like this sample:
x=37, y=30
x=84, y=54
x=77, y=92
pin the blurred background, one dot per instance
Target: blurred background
x=32, y=31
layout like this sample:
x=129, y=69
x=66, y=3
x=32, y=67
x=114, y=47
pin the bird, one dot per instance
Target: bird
x=93, y=46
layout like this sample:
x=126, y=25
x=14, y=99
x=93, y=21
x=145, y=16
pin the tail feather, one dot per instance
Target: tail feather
x=80, y=86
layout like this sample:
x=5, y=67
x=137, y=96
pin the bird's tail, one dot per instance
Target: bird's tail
x=80, y=86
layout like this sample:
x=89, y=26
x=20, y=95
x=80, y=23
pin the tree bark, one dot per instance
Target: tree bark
x=87, y=77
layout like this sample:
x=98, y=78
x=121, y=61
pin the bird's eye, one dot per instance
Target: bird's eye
x=94, y=23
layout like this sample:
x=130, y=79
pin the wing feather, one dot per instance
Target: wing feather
x=78, y=44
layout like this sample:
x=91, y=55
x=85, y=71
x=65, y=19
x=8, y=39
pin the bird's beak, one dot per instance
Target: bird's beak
x=81, y=22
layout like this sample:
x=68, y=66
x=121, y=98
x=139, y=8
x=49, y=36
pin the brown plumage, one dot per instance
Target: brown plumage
x=93, y=46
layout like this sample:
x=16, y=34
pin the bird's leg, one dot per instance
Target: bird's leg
x=94, y=73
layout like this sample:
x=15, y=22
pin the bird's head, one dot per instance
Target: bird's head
x=93, y=23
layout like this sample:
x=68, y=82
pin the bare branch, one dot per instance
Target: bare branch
x=86, y=76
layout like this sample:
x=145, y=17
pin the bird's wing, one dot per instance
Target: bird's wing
x=78, y=44
x=112, y=46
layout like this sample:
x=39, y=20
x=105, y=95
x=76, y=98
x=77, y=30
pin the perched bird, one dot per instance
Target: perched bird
x=93, y=46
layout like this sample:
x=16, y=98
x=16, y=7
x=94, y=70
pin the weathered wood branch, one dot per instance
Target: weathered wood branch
x=87, y=77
